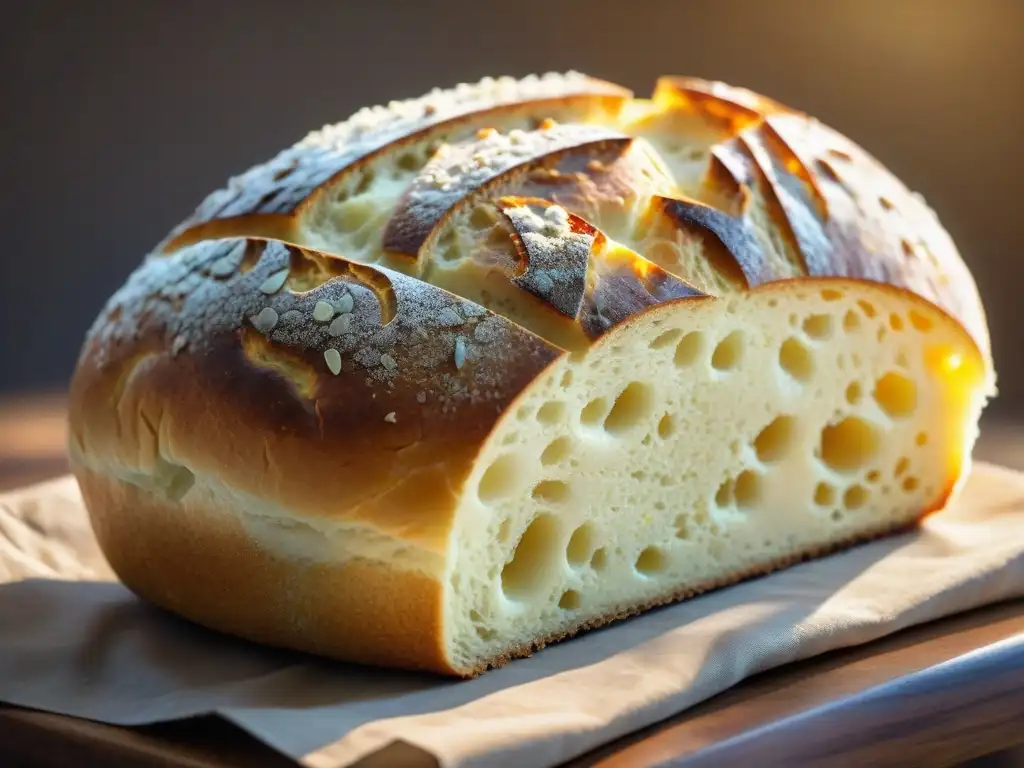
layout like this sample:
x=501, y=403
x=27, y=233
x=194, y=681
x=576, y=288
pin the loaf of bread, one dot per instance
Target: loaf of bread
x=470, y=373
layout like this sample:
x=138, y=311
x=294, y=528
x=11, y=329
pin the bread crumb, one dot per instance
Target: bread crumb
x=460, y=352
x=448, y=317
x=224, y=267
x=323, y=311
x=388, y=362
x=344, y=304
x=266, y=320
x=333, y=359
x=275, y=282
x=391, y=418
x=421, y=397
x=340, y=325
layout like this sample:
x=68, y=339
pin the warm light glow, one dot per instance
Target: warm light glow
x=614, y=254
x=261, y=353
x=952, y=362
x=949, y=362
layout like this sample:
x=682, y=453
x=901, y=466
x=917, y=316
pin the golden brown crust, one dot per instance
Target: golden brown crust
x=179, y=370
x=732, y=107
x=455, y=173
x=355, y=610
x=267, y=198
x=843, y=213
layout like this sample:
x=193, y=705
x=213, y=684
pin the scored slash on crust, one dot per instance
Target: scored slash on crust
x=265, y=200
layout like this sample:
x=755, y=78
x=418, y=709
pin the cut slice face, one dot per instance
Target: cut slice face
x=703, y=441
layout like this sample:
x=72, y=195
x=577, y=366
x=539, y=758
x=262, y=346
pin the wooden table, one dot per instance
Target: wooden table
x=946, y=693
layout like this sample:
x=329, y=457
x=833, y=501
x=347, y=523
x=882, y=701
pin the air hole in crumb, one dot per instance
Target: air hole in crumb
x=365, y=180
x=408, y=161
x=631, y=407
x=836, y=515
x=910, y=484
x=851, y=321
x=652, y=560
x=728, y=352
x=896, y=395
x=552, y=491
x=895, y=322
x=919, y=321
x=854, y=392
x=594, y=411
x=830, y=294
x=901, y=466
x=598, y=559
x=855, y=496
x=504, y=529
x=666, y=338
x=482, y=217
x=818, y=326
x=723, y=496
x=486, y=633
x=666, y=426
x=796, y=359
x=921, y=439
x=581, y=545
x=534, y=561
x=689, y=349
x=873, y=476
x=570, y=600
x=551, y=412
x=500, y=479
x=775, y=440
x=566, y=379
x=867, y=308
x=747, y=490
x=882, y=333
x=682, y=526
x=556, y=451
x=824, y=495
x=849, y=444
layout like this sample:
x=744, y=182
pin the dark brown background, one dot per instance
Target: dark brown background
x=119, y=116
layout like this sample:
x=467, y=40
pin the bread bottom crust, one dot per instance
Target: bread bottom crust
x=200, y=564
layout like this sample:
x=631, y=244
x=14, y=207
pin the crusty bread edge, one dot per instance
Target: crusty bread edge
x=358, y=612
x=197, y=561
